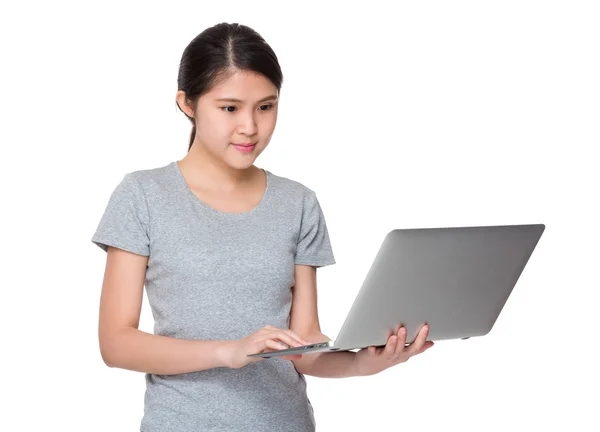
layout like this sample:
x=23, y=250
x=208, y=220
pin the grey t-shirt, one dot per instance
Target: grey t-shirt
x=217, y=275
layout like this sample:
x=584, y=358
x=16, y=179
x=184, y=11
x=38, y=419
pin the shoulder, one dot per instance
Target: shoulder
x=149, y=174
x=149, y=179
x=291, y=187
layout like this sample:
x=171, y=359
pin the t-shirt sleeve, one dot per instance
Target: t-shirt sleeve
x=314, y=246
x=125, y=221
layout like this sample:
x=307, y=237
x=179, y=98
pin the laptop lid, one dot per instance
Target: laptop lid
x=457, y=279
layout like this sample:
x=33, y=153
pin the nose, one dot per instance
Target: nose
x=248, y=125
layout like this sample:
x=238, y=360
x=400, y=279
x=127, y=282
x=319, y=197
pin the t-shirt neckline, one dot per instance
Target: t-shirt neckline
x=188, y=191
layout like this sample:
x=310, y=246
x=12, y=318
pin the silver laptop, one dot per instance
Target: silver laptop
x=455, y=279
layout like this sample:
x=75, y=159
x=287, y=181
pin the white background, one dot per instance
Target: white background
x=416, y=114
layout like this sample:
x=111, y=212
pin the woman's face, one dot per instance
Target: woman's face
x=249, y=118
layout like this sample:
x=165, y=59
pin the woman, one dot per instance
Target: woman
x=228, y=254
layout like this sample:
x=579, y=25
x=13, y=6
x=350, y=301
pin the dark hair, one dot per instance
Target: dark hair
x=219, y=52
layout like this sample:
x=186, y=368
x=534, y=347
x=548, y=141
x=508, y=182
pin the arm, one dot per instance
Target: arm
x=326, y=364
x=122, y=345
x=304, y=320
x=130, y=348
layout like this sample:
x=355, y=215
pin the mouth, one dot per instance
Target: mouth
x=248, y=147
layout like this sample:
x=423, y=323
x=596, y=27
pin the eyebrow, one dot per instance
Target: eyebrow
x=241, y=101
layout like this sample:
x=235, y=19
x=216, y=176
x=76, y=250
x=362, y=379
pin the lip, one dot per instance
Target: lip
x=244, y=148
x=245, y=144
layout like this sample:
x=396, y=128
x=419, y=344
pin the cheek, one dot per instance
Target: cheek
x=268, y=124
x=215, y=129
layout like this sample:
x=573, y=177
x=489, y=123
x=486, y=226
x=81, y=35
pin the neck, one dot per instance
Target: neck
x=213, y=174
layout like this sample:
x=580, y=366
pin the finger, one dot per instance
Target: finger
x=288, y=338
x=419, y=341
x=390, y=347
x=282, y=340
x=296, y=336
x=290, y=334
x=425, y=347
x=401, y=341
x=275, y=345
x=265, y=330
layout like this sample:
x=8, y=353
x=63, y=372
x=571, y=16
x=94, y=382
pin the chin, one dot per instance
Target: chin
x=241, y=164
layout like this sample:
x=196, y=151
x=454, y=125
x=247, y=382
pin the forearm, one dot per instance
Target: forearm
x=327, y=364
x=139, y=351
x=332, y=365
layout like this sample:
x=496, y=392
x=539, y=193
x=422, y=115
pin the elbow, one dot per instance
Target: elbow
x=106, y=355
x=304, y=363
x=106, y=359
x=108, y=347
x=300, y=365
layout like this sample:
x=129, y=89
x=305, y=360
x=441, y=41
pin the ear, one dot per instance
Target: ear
x=184, y=103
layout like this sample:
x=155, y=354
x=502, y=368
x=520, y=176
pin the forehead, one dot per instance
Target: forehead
x=243, y=87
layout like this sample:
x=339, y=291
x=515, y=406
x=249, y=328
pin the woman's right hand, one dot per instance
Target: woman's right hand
x=267, y=339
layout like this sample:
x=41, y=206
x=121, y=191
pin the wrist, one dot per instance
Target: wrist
x=223, y=352
x=356, y=367
x=359, y=370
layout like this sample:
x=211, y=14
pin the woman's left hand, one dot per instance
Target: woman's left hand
x=372, y=360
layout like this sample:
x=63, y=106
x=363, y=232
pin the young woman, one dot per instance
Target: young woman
x=228, y=254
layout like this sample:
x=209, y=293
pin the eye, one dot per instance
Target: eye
x=269, y=107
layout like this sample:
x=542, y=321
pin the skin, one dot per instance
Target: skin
x=372, y=360
x=213, y=161
x=221, y=175
x=228, y=180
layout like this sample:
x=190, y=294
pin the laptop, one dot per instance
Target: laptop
x=455, y=279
